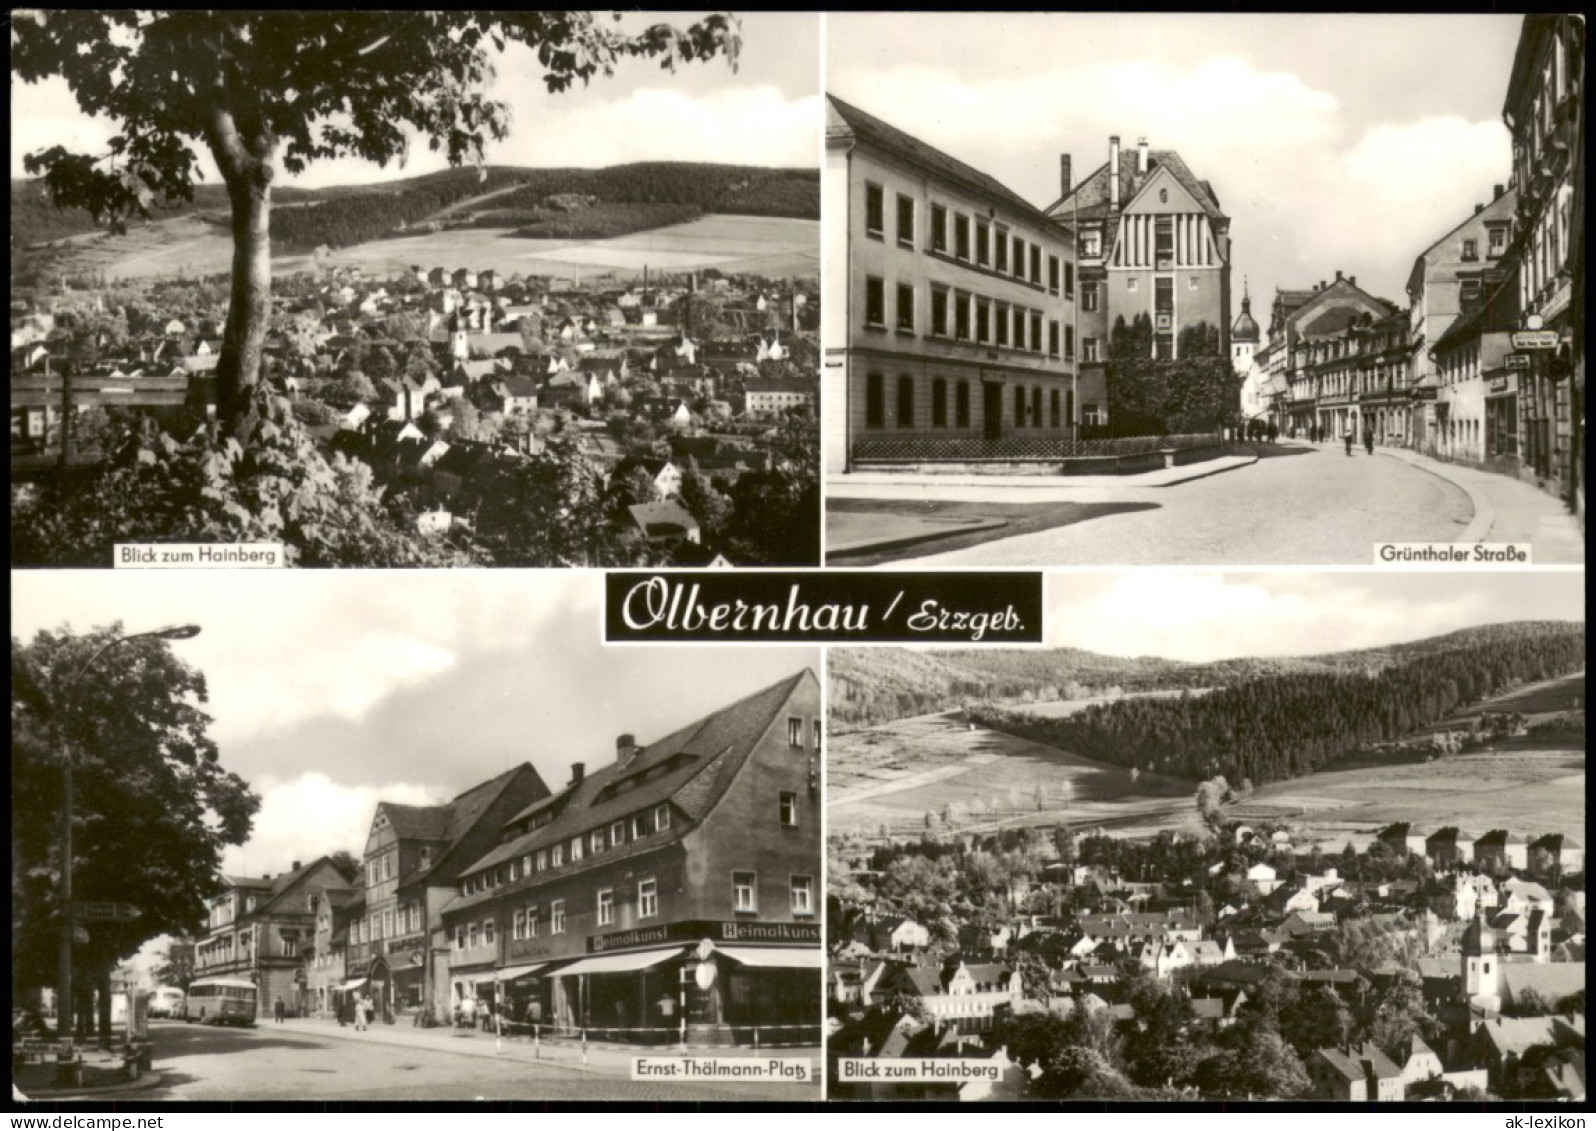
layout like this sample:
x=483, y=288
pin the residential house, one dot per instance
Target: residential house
x=256, y=926
x=1449, y=848
x=413, y=859
x=1355, y=1074
x=1500, y=850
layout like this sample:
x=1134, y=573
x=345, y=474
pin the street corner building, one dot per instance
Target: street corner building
x=972, y=325
x=952, y=328
x=669, y=897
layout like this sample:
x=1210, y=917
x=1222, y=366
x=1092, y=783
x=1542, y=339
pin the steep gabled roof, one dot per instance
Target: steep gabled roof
x=690, y=768
x=846, y=120
x=1089, y=199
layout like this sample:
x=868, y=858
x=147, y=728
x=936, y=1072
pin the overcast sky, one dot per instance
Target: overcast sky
x=331, y=690
x=766, y=113
x=1332, y=141
x=1215, y=616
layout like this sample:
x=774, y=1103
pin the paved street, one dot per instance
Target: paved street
x=298, y=1063
x=1300, y=504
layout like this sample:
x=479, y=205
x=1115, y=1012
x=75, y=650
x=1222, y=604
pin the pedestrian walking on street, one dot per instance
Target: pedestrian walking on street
x=1368, y=441
x=279, y=1011
x=1348, y=438
x=343, y=1010
x=360, y=1013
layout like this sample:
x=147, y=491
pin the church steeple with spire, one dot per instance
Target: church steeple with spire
x=1243, y=334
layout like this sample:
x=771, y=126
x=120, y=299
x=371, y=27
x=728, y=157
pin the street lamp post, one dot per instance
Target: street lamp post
x=65, y=1012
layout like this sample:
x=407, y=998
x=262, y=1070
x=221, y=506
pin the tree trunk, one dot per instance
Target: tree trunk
x=249, y=311
x=102, y=986
x=244, y=148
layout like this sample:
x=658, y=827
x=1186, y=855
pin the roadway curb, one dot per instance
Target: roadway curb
x=860, y=549
x=147, y=1081
x=1484, y=510
x=1210, y=473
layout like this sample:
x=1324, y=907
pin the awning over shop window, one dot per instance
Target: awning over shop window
x=783, y=957
x=620, y=963
x=353, y=984
x=511, y=973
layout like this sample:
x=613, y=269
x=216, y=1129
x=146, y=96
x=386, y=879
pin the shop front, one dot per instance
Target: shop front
x=699, y=983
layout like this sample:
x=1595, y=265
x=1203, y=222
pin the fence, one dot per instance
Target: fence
x=657, y=1036
x=923, y=448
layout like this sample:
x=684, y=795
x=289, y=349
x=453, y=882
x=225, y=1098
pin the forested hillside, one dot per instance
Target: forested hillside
x=1275, y=727
x=878, y=685
x=659, y=192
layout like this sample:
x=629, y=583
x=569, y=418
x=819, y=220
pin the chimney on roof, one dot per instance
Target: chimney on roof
x=1113, y=171
x=577, y=770
x=294, y=867
x=1496, y=192
x=1141, y=156
x=1353, y=279
x=1478, y=208
x=626, y=748
x=1065, y=183
x=1338, y=276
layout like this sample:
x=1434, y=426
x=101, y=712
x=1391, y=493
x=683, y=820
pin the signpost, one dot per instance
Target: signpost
x=1518, y=361
x=1535, y=339
x=85, y=910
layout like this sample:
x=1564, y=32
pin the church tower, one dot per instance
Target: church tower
x=1243, y=335
x=1482, y=972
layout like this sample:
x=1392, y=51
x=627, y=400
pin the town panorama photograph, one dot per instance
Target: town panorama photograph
x=1228, y=837
x=1108, y=289
x=456, y=850
x=416, y=289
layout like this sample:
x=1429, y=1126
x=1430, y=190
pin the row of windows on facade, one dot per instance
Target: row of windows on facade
x=967, y=317
x=1026, y=402
x=1342, y=383
x=387, y=924
x=601, y=840
x=528, y=922
x=990, y=248
x=241, y=946
x=385, y=867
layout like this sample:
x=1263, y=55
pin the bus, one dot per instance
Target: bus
x=221, y=1001
x=166, y=1001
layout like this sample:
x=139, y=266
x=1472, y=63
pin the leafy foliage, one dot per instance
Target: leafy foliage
x=273, y=485
x=153, y=807
x=1197, y=392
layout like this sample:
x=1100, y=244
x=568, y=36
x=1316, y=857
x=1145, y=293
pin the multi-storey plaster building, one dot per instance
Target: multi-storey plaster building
x=1448, y=282
x=1153, y=242
x=257, y=927
x=1544, y=109
x=670, y=895
x=397, y=950
x=953, y=333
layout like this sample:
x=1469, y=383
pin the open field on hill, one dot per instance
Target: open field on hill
x=1544, y=698
x=735, y=244
x=895, y=773
x=1063, y=708
x=1524, y=786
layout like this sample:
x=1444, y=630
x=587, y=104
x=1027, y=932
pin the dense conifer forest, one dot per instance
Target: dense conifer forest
x=877, y=685
x=1273, y=727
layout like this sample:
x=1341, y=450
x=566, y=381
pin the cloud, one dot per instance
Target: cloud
x=312, y=816
x=279, y=649
x=1210, y=616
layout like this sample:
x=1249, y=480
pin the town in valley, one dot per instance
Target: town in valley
x=1355, y=876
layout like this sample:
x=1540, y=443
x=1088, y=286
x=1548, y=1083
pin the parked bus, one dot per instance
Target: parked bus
x=221, y=1001
x=166, y=1001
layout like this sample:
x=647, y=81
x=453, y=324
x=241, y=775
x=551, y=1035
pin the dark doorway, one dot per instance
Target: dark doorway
x=992, y=410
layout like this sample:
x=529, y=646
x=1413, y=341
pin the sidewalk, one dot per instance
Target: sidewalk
x=599, y=1059
x=868, y=484
x=1508, y=511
